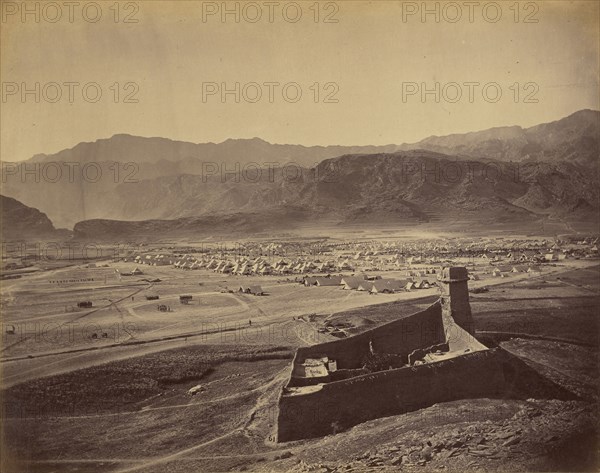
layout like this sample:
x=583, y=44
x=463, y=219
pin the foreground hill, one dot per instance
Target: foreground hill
x=225, y=225
x=22, y=222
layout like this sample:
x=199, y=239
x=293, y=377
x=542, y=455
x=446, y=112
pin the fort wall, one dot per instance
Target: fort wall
x=447, y=363
x=342, y=404
x=399, y=337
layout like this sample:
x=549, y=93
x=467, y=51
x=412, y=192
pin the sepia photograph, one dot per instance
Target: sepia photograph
x=302, y=236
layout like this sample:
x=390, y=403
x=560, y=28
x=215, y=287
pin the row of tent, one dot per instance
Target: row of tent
x=500, y=271
x=374, y=286
x=260, y=266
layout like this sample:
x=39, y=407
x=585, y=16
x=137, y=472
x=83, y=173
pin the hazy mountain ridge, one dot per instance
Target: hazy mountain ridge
x=575, y=138
x=547, y=170
x=128, y=148
x=576, y=135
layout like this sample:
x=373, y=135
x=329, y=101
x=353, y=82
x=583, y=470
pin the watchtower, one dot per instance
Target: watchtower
x=455, y=297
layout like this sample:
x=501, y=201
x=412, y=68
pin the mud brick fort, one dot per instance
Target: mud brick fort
x=414, y=362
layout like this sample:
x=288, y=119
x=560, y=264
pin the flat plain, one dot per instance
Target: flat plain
x=108, y=386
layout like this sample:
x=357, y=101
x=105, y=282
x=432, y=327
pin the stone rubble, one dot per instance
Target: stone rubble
x=475, y=443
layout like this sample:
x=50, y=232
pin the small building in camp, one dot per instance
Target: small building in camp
x=255, y=290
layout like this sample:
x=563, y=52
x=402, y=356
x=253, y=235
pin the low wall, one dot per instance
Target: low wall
x=400, y=337
x=420, y=353
x=342, y=404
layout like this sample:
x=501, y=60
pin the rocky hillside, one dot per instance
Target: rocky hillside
x=405, y=188
x=22, y=222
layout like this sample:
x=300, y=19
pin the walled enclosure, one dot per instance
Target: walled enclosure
x=441, y=361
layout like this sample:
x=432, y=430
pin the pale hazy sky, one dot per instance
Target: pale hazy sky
x=369, y=54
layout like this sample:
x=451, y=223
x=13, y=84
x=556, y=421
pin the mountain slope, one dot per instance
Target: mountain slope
x=575, y=138
x=381, y=190
x=414, y=184
x=546, y=170
x=22, y=222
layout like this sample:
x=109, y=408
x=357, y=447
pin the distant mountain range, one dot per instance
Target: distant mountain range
x=573, y=138
x=149, y=151
x=503, y=174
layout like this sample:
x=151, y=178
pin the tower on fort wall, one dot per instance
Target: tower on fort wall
x=455, y=297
